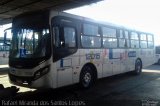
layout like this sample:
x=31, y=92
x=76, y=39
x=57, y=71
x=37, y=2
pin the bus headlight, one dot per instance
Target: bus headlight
x=41, y=72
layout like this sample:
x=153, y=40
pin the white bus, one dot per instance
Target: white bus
x=53, y=49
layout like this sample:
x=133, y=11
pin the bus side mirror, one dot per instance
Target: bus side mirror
x=6, y=39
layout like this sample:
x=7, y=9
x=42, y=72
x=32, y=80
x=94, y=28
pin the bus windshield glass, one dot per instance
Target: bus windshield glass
x=30, y=43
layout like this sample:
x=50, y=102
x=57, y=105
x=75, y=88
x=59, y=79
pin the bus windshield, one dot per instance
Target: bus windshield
x=30, y=43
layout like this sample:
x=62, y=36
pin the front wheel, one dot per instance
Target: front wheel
x=138, y=67
x=86, y=77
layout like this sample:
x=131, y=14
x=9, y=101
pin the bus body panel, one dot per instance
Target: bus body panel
x=66, y=70
x=16, y=77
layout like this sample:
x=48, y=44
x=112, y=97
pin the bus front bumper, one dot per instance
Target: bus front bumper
x=30, y=82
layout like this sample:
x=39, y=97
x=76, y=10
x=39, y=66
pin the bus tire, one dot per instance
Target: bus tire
x=138, y=67
x=86, y=77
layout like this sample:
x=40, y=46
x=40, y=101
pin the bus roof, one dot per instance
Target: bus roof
x=56, y=13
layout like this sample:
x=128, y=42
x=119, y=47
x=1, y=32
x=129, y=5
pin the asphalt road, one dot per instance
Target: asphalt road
x=120, y=90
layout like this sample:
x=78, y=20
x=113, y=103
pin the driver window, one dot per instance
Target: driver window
x=65, y=37
x=69, y=36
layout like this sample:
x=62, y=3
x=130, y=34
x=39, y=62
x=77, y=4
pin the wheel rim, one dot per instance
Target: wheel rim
x=138, y=67
x=86, y=79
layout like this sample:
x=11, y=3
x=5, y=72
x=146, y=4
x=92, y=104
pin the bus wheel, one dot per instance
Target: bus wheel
x=138, y=67
x=86, y=77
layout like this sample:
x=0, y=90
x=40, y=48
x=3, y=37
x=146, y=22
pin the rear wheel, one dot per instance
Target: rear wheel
x=138, y=67
x=87, y=77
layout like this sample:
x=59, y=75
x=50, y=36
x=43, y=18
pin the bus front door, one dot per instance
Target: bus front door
x=64, y=51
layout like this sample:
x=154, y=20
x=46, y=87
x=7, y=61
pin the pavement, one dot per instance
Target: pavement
x=120, y=90
x=5, y=81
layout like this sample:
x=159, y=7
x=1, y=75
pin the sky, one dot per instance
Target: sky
x=141, y=15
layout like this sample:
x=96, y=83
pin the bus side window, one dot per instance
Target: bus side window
x=109, y=37
x=65, y=37
x=57, y=39
x=150, y=41
x=143, y=40
x=127, y=41
x=69, y=37
x=134, y=40
x=122, y=42
x=91, y=37
x=86, y=41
